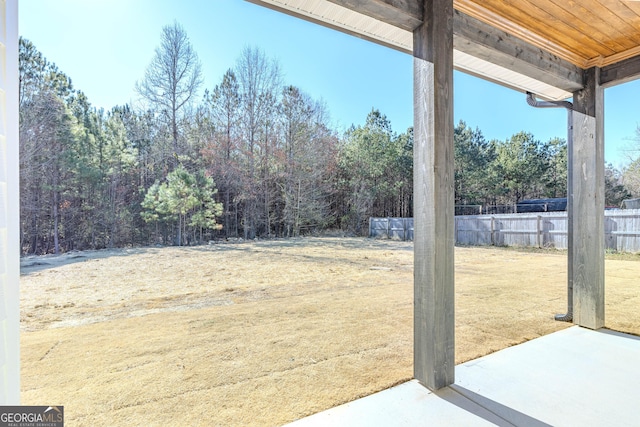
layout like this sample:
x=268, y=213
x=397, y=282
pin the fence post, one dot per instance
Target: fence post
x=493, y=243
x=455, y=229
x=538, y=231
x=405, y=222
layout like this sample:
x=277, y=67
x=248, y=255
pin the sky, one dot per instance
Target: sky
x=106, y=45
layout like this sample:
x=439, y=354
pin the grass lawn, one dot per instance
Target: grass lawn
x=266, y=332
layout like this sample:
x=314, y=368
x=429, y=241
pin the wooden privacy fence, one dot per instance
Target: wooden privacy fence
x=544, y=229
x=391, y=228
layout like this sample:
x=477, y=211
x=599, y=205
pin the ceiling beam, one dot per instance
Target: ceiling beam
x=483, y=41
x=479, y=39
x=405, y=14
x=620, y=72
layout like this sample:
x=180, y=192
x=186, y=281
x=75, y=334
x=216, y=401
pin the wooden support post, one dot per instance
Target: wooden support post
x=434, y=196
x=586, y=227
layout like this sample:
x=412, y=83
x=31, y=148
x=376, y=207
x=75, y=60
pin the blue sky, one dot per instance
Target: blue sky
x=105, y=46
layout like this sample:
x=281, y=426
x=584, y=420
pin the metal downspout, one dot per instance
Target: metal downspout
x=532, y=101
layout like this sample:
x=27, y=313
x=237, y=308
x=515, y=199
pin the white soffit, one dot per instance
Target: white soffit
x=344, y=19
x=504, y=76
x=339, y=17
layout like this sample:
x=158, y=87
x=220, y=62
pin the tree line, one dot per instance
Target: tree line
x=253, y=157
x=498, y=174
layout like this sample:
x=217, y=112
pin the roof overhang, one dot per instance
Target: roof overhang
x=479, y=49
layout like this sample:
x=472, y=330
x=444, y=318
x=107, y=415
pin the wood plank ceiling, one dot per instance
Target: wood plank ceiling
x=586, y=33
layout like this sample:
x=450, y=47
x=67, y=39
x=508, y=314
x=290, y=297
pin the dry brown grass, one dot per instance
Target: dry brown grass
x=263, y=333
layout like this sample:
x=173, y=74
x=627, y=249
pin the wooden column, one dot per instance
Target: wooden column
x=586, y=251
x=434, y=196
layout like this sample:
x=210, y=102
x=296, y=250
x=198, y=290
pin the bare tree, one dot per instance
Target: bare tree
x=45, y=129
x=172, y=78
x=631, y=172
x=259, y=80
x=308, y=155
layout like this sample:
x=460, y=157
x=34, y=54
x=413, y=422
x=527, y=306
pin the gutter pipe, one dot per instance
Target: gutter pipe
x=532, y=101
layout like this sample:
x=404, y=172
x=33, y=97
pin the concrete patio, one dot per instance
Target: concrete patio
x=574, y=377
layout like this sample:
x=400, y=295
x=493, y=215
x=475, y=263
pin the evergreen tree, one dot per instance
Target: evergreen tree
x=372, y=165
x=555, y=176
x=521, y=162
x=221, y=110
x=614, y=190
x=474, y=177
x=186, y=198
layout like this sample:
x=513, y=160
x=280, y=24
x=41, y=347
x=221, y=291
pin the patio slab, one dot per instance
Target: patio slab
x=572, y=377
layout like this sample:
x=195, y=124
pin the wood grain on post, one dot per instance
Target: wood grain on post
x=586, y=249
x=434, y=197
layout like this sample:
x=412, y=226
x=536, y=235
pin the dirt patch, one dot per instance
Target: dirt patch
x=263, y=333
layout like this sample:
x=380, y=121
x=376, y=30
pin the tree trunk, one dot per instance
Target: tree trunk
x=56, y=242
x=227, y=213
x=297, y=213
x=179, y=237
